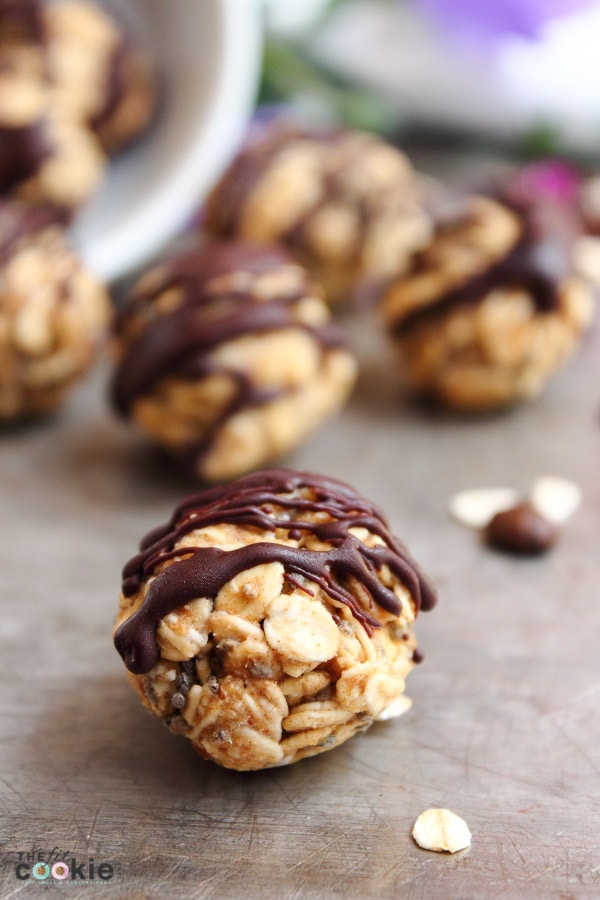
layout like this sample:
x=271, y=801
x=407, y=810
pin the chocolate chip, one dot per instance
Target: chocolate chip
x=521, y=530
x=178, y=700
x=188, y=670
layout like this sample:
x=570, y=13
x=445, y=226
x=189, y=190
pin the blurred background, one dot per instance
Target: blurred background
x=448, y=80
x=524, y=74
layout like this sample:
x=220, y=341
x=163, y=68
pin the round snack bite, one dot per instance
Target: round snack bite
x=227, y=357
x=345, y=203
x=52, y=312
x=488, y=311
x=271, y=619
x=45, y=156
x=73, y=85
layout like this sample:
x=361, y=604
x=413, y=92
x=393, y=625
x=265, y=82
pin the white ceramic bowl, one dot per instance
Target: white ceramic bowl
x=208, y=56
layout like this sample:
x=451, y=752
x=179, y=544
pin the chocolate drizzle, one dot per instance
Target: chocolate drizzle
x=535, y=264
x=25, y=146
x=267, y=501
x=179, y=343
x=22, y=18
x=23, y=149
x=228, y=200
x=18, y=220
x=115, y=86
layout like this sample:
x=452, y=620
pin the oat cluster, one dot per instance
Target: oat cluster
x=53, y=313
x=226, y=357
x=346, y=204
x=73, y=88
x=478, y=322
x=276, y=665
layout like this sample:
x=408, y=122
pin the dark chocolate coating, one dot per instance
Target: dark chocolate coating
x=23, y=17
x=23, y=148
x=535, y=263
x=250, y=501
x=115, y=85
x=179, y=344
x=19, y=220
x=232, y=192
x=22, y=152
x=229, y=198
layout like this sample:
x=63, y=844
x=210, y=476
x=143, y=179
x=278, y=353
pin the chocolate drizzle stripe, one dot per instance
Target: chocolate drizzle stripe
x=20, y=220
x=525, y=266
x=203, y=572
x=231, y=194
x=334, y=190
x=115, y=86
x=228, y=201
x=169, y=345
x=23, y=150
x=24, y=16
x=180, y=343
x=192, y=272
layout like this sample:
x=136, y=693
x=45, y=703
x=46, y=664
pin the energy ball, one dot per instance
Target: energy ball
x=52, y=312
x=489, y=310
x=345, y=203
x=45, y=156
x=227, y=357
x=74, y=86
x=271, y=619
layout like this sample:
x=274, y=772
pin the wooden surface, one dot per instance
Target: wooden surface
x=504, y=729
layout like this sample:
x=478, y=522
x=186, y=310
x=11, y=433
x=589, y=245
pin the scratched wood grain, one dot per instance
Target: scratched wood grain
x=504, y=730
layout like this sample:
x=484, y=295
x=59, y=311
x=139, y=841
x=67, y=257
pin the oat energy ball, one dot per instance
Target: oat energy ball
x=345, y=203
x=271, y=619
x=73, y=87
x=52, y=312
x=489, y=310
x=227, y=357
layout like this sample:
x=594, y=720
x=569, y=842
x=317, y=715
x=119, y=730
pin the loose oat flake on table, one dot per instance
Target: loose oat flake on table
x=442, y=831
x=271, y=619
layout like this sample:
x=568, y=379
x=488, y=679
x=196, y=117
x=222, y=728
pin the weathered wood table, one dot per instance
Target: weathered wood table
x=504, y=729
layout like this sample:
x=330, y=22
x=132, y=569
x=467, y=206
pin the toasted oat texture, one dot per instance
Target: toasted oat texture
x=271, y=619
x=346, y=204
x=442, y=831
x=481, y=319
x=45, y=155
x=52, y=312
x=73, y=86
x=227, y=358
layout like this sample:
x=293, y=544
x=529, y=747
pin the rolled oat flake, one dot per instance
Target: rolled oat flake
x=442, y=831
